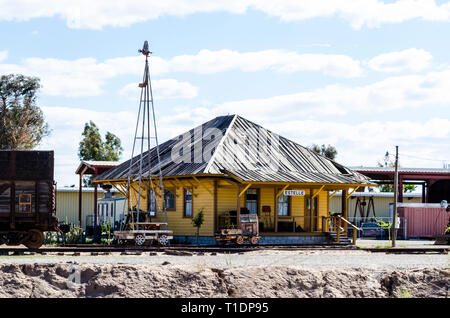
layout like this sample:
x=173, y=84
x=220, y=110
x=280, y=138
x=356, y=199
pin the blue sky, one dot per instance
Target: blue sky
x=363, y=75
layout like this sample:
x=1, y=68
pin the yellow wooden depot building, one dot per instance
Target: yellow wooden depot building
x=232, y=165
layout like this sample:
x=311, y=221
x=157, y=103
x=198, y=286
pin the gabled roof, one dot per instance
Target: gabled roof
x=88, y=167
x=234, y=146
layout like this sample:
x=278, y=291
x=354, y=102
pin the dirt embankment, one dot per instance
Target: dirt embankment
x=50, y=280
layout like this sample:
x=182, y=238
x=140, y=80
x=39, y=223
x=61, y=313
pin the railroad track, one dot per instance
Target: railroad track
x=186, y=250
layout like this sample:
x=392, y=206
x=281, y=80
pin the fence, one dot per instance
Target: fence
x=383, y=222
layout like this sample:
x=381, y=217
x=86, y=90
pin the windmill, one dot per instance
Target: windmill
x=144, y=175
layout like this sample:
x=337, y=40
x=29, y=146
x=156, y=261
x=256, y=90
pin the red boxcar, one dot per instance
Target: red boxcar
x=424, y=220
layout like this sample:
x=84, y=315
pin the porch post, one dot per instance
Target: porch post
x=238, y=206
x=345, y=209
x=311, y=209
x=216, y=220
x=275, y=210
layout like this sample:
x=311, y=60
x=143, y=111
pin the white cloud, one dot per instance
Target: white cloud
x=410, y=91
x=364, y=143
x=162, y=89
x=370, y=13
x=3, y=55
x=87, y=76
x=208, y=62
x=413, y=59
x=80, y=77
x=100, y=13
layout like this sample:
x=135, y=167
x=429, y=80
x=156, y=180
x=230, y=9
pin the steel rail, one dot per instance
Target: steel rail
x=173, y=250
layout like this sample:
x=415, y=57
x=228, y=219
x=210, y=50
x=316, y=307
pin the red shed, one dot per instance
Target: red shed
x=423, y=219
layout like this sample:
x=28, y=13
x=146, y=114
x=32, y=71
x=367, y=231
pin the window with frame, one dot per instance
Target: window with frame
x=169, y=198
x=25, y=203
x=251, y=201
x=187, y=203
x=283, y=205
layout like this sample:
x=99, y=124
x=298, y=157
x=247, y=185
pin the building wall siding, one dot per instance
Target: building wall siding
x=67, y=206
x=203, y=199
x=381, y=205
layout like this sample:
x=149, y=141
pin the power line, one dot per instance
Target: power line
x=420, y=158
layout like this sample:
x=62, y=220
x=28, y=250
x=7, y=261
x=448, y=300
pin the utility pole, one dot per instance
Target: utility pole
x=394, y=212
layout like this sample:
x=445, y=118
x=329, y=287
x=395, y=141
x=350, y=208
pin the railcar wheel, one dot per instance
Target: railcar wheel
x=35, y=240
x=163, y=240
x=239, y=240
x=139, y=239
x=254, y=240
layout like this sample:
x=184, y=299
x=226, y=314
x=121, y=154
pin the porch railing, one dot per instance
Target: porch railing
x=292, y=224
x=337, y=224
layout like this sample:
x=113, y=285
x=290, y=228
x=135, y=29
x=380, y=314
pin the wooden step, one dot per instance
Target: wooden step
x=343, y=239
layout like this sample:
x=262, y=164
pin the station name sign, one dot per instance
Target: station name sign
x=294, y=193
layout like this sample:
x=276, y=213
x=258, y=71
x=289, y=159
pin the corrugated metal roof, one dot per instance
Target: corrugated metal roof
x=401, y=169
x=380, y=194
x=190, y=142
x=85, y=189
x=245, y=150
x=253, y=153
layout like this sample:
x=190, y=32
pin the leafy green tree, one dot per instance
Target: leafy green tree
x=197, y=222
x=22, y=124
x=328, y=151
x=92, y=147
x=112, y=147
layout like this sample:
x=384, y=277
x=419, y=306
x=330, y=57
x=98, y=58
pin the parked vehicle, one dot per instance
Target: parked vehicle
x=27, y=197
x=372, y=229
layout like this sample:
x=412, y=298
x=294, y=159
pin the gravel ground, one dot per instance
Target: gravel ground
x=304, y=259
x=371, y=243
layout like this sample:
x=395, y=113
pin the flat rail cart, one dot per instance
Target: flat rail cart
x=144, y=233
x=230, y=233
x=27, y=197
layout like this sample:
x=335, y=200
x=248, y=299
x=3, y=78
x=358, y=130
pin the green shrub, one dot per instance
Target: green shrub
x=51, y=238
x=74, y=236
